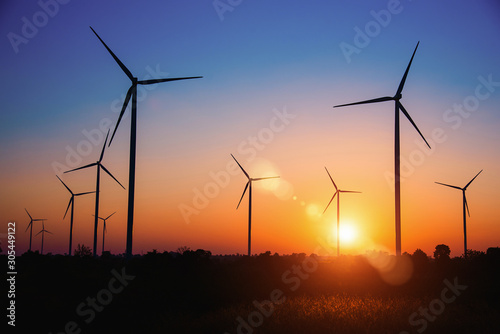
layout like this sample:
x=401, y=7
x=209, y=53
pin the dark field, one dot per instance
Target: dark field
x=199, y=293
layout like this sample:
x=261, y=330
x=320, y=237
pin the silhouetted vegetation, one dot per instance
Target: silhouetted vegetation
x=82, y=251
x=197, y=292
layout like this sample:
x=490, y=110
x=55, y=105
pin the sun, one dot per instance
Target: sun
x=347, y=233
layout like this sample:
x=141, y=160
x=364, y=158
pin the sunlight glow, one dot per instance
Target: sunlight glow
x=348, y=233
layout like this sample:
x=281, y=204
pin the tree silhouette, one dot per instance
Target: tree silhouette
x=182, y=249
x=442, y=251
x=420, y=260
x=83, y=251
x=474, y=254
x=420, y=256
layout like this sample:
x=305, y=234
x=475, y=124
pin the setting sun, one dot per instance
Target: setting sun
x=347, y=233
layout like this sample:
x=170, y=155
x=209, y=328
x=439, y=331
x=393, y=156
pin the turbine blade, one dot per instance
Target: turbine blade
x=411, y=121
x=39, y=233
x=153, y=81
x=107, y=171
x=65, y=185
x=70, y=201
x=265, y=178
x=86, y=166
x=350, y=191
x=28, y=213
x=244, y=172
x=331, y=179
x=330, y=202
x=124, y=107
x=88, y=192
x=472, y=179
x=49, y=232
x=402, y=83
x=444, y=184
x=31, y=222
x=104, y=147
x=110, y=215
x=244, y=191
x=124, y=69
x=380, y=99
x=466, y=206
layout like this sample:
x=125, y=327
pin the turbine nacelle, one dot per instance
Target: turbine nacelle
x=463, y=190
x=250, y=180
x=337, y=191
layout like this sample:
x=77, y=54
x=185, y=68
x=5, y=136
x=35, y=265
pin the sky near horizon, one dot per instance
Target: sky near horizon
x=272, y=71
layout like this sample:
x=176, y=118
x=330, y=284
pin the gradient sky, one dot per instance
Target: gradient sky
x=259, y=59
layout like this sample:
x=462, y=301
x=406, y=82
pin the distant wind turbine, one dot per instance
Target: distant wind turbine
x=30, y=225
x=132, y=92
x=104, y=228
x=398, y=106
x=43, y=234
x=337, y=193
x=72, y=204
x=249, y=187
x=465, y=207
x=97, y=188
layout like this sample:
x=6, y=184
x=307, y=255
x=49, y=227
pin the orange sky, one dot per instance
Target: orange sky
x=285, y=219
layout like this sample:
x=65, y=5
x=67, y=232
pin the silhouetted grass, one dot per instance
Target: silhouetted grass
x=198, y=293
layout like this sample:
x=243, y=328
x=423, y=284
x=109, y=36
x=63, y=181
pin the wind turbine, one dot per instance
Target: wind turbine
x=104, y=228
x=337, y=193
x=30, y=225
x=398, y=106
x=249, y=187
x=132, y=92
x=72, y=203
x=465, y=207
x=97, y=187
x=43, y=234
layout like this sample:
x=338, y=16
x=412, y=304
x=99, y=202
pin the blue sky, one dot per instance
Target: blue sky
x=263, y=55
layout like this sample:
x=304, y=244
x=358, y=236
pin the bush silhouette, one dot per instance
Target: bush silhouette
x=442, y=251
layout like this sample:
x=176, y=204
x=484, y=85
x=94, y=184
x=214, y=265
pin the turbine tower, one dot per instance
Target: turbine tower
x=398, y=107
x=97, y=188
x=43, y=234
x=30, y=225
x=104, y=229
x=465, y=207
x=72, y=204
x=249, y=187
x=132, y=92
x=337, y=193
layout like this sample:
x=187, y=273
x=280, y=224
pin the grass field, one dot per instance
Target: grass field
x=198, y=293
x=340, y=314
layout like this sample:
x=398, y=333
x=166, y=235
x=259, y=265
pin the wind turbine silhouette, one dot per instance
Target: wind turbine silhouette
x=72, y=203
x=337, y=193
x=398, y=106
x=132, y=92
x=465, y=207
x=43, y=234
x=97, y=187
x=249, y=187
x=104, y=228
x=30, y=225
